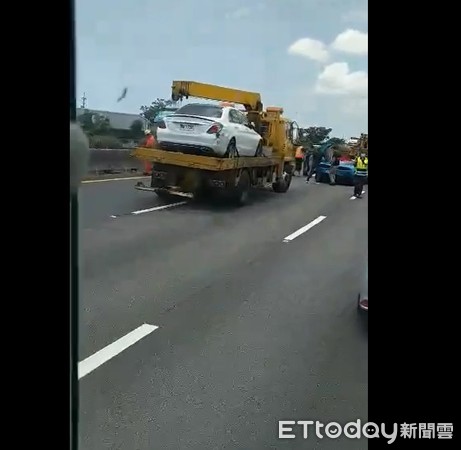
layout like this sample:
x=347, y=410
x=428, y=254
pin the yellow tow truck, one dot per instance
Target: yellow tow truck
x=360, y=145
x=186, y=175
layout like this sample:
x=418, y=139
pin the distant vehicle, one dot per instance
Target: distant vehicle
x=362, y=299
x=344, y=173
x=209, y=130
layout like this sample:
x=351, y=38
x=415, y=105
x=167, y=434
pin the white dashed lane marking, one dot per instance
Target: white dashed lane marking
x=303, y=229
x=102, y=356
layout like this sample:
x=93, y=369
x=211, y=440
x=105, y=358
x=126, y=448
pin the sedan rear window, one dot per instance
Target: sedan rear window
x=201, y=110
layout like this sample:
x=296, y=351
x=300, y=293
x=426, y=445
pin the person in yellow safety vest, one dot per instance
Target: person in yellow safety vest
x=299, y=157
x=361, y=174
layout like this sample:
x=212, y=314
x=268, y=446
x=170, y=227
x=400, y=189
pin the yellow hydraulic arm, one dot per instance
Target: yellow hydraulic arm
x=186, y=89
x=364, y=142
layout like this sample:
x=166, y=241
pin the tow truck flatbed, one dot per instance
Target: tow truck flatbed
x=202, y=176
x=206, y=162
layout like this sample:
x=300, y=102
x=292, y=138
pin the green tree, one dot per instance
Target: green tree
x=137, y=129
x=314, y=135
x=86, y=122
x=156, y=107
x=101, y=124
x=94, y=123
x=334, y=141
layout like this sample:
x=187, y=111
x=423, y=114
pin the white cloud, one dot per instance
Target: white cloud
x=351, y=41
x=310, y=48
x=336, y=79
x=239, y=13
x=358, y=16
x=344, y=91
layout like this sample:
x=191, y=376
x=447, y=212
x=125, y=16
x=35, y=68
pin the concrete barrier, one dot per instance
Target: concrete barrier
x=113, y=161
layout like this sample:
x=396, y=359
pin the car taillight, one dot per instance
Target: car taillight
x=215, y=128
x=161, y=124
x=364, y=303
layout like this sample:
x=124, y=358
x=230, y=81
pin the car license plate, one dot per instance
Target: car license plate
x=186, y=126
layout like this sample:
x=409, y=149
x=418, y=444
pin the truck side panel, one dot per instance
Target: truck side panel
x=205, y=162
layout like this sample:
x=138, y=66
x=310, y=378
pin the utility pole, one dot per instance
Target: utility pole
x=83, y=99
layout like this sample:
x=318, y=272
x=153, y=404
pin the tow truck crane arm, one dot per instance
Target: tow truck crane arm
x=361, y=146
x=185, y=89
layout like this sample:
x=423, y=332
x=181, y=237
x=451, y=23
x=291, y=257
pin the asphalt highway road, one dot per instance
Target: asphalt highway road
x=251, y=329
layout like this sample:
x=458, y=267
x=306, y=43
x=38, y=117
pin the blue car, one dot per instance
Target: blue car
x=344, y=173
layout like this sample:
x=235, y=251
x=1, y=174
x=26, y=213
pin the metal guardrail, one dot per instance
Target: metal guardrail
x=103, y=161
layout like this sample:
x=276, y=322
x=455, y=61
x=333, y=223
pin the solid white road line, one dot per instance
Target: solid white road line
x=303, y=229
x=354, y=197
x=99, y=358
x=105, y=180
x=158, y=208
x=143, y=211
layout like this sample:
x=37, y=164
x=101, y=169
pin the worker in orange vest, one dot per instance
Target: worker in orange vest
x=149, y=142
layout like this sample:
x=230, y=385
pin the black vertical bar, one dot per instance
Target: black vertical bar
x=74, y=252
x=72, y=67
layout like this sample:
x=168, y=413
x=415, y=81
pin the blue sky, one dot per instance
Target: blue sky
x=309, y=56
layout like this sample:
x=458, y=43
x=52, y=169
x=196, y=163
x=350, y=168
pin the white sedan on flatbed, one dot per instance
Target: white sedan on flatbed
x=209, y=130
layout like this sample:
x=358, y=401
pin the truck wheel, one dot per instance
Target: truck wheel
x=203, y=194
x=242, y=191
x=231, y=151
x=282, y=184
x=163, y=195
